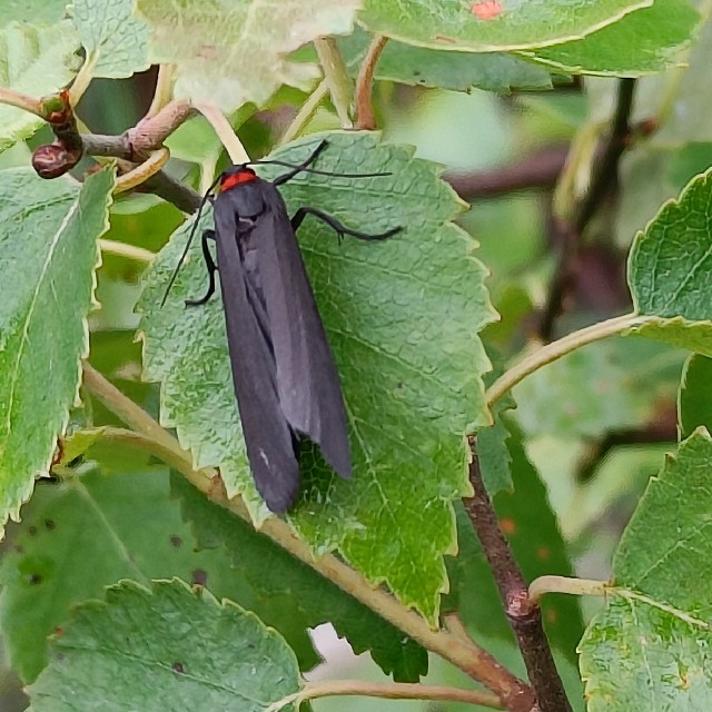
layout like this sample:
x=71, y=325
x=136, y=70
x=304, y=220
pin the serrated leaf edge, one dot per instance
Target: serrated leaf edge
x=455, y=45
x=14, y=513
x=669, y=205
x=199, y=593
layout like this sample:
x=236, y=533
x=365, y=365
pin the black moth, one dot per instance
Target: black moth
x=285, y=379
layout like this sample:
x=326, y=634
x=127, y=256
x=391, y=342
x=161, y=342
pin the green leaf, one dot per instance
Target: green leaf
x=651, y=176
x=491, y=25
x=113, y=36
x=694, y=402
x=670, y=261
x=669, y=267
x=691, y=335
x=650, y=647
x=87, y=533
x=492, y=446
x=36, y=12
x=78, y=442
x=610, y=385
x=402, y=318
x=646, y=41
x=495, y=460
x=36, y=62
x=246, y=60
x=48, y=273
x=686, y=119
x=289, y=593
x=458, y=71
x=169, y=647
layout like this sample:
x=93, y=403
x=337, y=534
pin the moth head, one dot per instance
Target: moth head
x=237, y=175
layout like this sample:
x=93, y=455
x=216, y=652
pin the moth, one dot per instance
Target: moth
x=285, y=379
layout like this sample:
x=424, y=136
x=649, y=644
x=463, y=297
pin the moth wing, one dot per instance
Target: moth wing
x=307, y=380
x=268, y=437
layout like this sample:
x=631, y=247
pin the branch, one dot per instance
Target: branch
x=556, y=349
x=538, y=170
x=660, y=428
x=337, y=78
x=474, y=661
x=603, y=181
x=524, y=614
x=135, y=145
x=173, y=191
x=387, y=691
x=605, y=176
x=365, y=116
x=21, y=101
x=162, y=184
x=153, y=129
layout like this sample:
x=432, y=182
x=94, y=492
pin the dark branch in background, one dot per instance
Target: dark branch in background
x=539, y=170
x=523, y=614
x=603, y=182
x=661, y=428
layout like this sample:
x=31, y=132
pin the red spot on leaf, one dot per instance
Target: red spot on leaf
x=508, y=526
x=486, y=10
x=543, y=553
x=551, y=616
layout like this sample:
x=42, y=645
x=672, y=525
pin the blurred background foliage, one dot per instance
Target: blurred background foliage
x=594, y=424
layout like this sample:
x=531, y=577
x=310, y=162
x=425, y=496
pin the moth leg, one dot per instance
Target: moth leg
x=297, y=169
x=340, y=229
x=212, y=268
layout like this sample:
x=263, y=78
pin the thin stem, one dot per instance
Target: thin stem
x=122, y=249
x=566, y=584
x=225, y=133
x=474, y=661
x=337, y=78
x=164, y=89
x=162, y=184
x=141, y=173
x=365, y=116
x=21, y=101
x=455, y=626
x=83, y=78
x=556, y=349
x=306, y=112
x=387, y=691
x=524, y=615
x=121, y=436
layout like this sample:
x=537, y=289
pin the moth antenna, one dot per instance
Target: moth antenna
x=174, y=276
x=315, y=170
